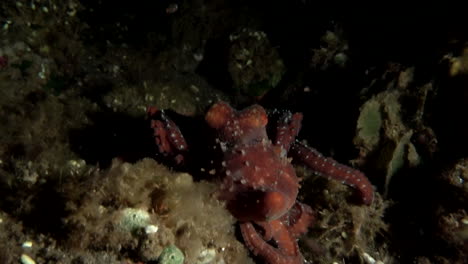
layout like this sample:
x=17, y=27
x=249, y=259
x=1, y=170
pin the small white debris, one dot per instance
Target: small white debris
x=76, y=163
x=370, y=260
x=27, y=244
x=149, y=97
x=25, y=259
x=115, y=69
x=71, y=9
x=194, y=88
x=7, y=25
x=151, y=229
x=344, y=235
x=206, y=256
x=101, y=209
x=464, y=220
x=42, y=73
x=198, y=57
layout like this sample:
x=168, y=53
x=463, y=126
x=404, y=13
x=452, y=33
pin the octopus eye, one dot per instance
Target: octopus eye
x=219, y=114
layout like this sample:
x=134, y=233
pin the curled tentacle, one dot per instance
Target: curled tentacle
x=334, y=170
x=287, y=251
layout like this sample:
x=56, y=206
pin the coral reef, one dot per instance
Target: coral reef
x=82, y=182
x=254, y=65
x=129, y=198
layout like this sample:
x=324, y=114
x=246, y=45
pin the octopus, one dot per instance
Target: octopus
x=258, y=182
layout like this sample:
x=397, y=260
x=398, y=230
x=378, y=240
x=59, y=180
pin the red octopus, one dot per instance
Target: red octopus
x=259, y=184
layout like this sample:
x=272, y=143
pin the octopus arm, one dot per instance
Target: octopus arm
x=287, y=251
